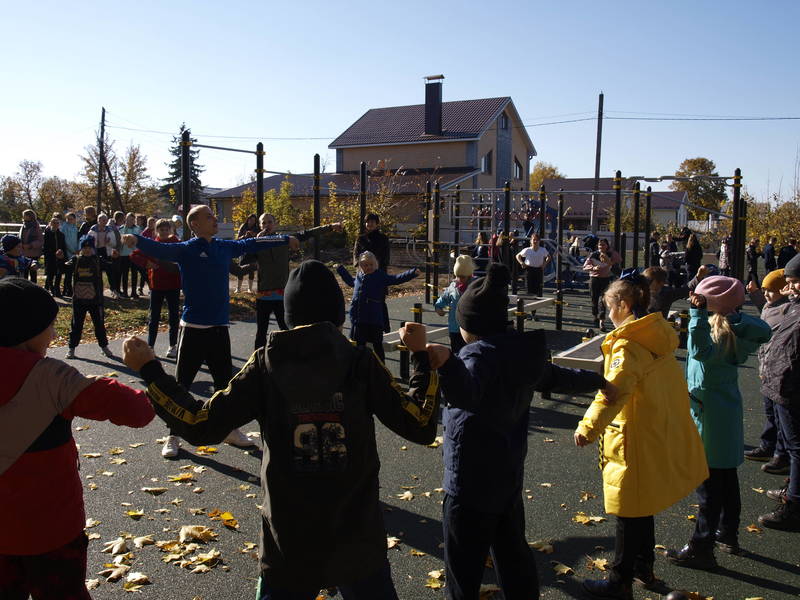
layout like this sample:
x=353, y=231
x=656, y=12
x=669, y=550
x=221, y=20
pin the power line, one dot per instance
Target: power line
x=704, y=118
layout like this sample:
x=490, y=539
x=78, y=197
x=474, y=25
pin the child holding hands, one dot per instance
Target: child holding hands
x=651, y=453
x=717, y=345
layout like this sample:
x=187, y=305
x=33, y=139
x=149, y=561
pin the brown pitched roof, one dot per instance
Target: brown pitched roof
x=461, y=120
x=407, y=181
x=581, y=204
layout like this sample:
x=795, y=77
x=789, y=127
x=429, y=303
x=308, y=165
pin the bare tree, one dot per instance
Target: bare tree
x=29, y=179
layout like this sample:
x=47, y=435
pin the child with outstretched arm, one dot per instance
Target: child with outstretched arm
x=314, y=395
x=42, y=545
x=463, y=270
x=487, y=389
x=369, y=315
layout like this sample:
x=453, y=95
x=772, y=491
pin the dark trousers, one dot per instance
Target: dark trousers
x=789, y=420
x=142, y=276
x=79, y=316
x=469, y=535
x=534, y=277
x=126, y=267
x=598, y=286
x=109, y=268
x=56, y=575
x=157, y=298
x=264, y=308
x=378, y=586
x=636, y=537
x=752, y=275
x=720, y=507
x=52, y=274
x=456, y=342
x=212, y=346
x=67, y=270
x=369, y=334
x=771, y=437
x=31, y=273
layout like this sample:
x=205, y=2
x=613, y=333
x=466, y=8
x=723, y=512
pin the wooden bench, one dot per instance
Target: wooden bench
x=586, y=355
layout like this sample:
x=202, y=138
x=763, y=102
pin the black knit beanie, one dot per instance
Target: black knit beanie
x=33, y=308
x=312, y=295
x=483, y=308
x=792, y=268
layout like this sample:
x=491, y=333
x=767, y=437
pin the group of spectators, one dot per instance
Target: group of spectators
x=53, y=246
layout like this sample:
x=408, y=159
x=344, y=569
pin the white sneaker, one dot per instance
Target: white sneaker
x=171, y=446
x=172, y=352
x=237, y=438
x=106, y=351
x=71, y=353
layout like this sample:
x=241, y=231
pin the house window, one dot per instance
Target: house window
x=518, y=172
x=486, y=163
x=503, y=121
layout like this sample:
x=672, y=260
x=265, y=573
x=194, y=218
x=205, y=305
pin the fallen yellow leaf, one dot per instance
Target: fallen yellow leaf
x=585, y=519
x=92, y=584
x=137, y=578
x=438, y=441
x=561, y=569
x=753, y=528
x=758, y=490
x=206, y=450
x=586, y=496
x=196, y=532
x=92, y=455
x=114, y=452
x=155, y=491
x=135, y=514
x=407, y=496
x=391, y=542
x=117, y=546
x=691, y=517
x=413, y=552
x=180, y=478
x=118, y=461
x=601, y=564
x=142, y=541
x=542, y=546
x=114, y=572
x=92, y=523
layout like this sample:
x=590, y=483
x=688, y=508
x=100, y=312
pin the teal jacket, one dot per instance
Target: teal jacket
x=449, y=300
x=712, y=376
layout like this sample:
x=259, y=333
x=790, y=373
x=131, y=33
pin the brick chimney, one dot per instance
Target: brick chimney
x=433, y=105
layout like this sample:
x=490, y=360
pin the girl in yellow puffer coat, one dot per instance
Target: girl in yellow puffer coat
x=651, y=453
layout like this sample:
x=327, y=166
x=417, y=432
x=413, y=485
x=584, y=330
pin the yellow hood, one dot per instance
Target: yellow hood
x=652, y=332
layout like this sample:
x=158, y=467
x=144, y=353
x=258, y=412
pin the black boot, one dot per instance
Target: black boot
x=728, y=543
x=605, y=588
x=693, y=557
x=785, y=517
x=643, y=573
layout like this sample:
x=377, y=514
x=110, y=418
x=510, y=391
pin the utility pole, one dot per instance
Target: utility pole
x=593, y=213
x=101, y=159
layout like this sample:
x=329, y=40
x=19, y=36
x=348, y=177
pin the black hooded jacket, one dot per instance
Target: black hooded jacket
x=314, y=395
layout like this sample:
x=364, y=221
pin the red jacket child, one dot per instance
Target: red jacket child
x=41, y=496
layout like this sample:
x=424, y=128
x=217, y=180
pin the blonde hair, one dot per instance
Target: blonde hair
x=637, y=295
x=721, y=333
x=367, y=257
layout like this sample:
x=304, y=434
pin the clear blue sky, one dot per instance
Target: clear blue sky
x=309, y=69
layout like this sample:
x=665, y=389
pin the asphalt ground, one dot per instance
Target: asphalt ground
x=561, y=480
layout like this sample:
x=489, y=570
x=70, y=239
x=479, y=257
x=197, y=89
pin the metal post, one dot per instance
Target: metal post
x=186, y=179
x=683, y=331
x=542, y=211
x=636, y=195
x=742, y=236
x=593, y=212
x=259, y=179
x=317, y=220
x=520, y=314
x=428, y=256
x=738, y=231
x=647, y=208
x=457, y=220
x=617, y=208
x=559, y=263
x=101, y=159
x=735, y=240
x=623, y=250
x=362, y=196
x=507, y=225
x=435, y=246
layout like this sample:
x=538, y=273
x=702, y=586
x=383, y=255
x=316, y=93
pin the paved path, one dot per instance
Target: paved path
x=561, y=480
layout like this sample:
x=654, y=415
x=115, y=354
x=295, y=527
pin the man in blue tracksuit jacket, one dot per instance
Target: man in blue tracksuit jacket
x=204, y=262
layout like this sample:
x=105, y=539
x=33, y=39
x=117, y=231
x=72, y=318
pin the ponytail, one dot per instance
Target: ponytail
x=632, y=289
x=721, y=333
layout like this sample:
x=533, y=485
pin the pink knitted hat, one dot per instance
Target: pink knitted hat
x=723, y=294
